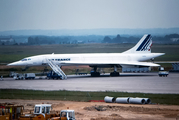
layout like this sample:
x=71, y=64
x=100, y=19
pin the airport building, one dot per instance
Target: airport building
x=7, y=41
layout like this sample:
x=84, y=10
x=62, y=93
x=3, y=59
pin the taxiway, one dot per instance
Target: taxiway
x=126, y=82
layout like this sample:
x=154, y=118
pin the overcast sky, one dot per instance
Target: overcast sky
x=88, y=14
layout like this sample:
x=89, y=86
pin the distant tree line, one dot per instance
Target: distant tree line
x=35, y=40
x=48, y=40
x=38, y=40
x=167, y=39
x=119, y=39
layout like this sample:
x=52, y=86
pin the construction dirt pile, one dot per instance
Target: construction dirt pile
x=105, y=111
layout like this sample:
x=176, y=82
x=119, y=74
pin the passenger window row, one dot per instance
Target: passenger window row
x=67, y=59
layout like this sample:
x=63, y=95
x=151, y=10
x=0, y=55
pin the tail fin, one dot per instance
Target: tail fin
x=143, y=46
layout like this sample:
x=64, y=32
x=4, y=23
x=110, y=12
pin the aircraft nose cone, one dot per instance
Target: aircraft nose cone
x=13, y=64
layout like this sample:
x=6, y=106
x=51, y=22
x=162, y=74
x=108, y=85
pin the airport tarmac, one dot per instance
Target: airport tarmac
x=126, y=82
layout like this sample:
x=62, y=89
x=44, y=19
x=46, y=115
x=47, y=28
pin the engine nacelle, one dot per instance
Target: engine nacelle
x=135, y=69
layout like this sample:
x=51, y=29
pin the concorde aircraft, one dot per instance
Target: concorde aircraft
x=132, y=58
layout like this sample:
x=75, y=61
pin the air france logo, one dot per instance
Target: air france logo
x=146, y=44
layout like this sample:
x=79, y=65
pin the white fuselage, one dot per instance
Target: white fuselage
x=85, y=59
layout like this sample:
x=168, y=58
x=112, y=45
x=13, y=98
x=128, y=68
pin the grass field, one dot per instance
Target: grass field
x=170, y=99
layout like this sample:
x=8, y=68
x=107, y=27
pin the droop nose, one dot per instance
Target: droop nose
x=13, y=64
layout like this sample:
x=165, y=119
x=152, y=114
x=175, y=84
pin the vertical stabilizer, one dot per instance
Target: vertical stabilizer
x=143, y=46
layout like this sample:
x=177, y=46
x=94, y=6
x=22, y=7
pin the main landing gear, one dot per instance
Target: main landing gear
x=94, y=73
x=115, y=73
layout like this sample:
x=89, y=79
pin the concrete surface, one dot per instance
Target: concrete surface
x=127, y=82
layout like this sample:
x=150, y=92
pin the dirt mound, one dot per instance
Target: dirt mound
x=155, y=111
x=108, y=118
x=77, y=113
x=95, y=108
x=57, y=105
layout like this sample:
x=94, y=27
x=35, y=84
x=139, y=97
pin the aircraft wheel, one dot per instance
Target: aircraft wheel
x=95, y=74
x=114, y=74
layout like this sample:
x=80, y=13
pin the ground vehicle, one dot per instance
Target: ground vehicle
x=65, y=115
x=19, y=77
x=12, y=74
x=10, y=111
x=41, y=112
x=53, y=75
x=29, y=75
x=163, y=73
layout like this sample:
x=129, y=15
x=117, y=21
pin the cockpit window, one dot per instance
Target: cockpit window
x=24, y=60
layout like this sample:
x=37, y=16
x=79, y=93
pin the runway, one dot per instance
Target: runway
x=126, y=82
